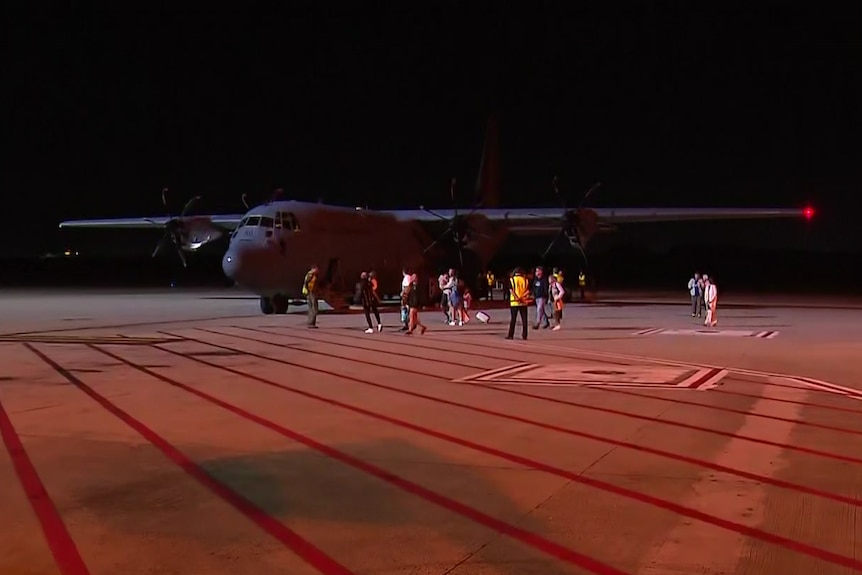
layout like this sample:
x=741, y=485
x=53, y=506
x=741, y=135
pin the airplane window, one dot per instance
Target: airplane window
x=291, y=221
x=242, y=222
x=266, y=222
x=253, y=221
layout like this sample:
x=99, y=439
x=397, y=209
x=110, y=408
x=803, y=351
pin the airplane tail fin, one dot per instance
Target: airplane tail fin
x=488, y=180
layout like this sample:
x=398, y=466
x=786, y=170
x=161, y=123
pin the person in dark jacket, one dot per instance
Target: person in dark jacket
x=414, y=302
x=541, y=289
x=369, y=299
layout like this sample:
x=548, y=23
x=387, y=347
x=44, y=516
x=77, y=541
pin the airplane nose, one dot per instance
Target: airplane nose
x=230, y=265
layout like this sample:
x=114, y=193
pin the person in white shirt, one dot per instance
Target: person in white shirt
x=710, y=296
x=405, y=284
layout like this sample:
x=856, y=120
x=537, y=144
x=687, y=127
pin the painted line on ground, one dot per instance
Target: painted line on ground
x=709, y=378
x=527, y=537
x=60, y=542
x=293, y=541
x=512, y=417
x=753, y=532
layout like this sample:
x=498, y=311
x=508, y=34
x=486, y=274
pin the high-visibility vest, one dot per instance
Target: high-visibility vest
x=490, y=279
x=519, y=294
x=582, y=279
x=308, y=283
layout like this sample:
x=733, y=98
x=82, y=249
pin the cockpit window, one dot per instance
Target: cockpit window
x=289, y=221
x=253, y=221
x=266, y=222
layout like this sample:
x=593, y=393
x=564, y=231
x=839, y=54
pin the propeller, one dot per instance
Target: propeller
x=459, y=228
x=174, y=229
x=573, y=222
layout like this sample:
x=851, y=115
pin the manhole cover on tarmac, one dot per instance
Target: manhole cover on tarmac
x=595, y=375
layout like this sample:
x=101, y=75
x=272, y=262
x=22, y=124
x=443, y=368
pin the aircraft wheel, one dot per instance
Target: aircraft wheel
x=280, y=303
x=266, y=305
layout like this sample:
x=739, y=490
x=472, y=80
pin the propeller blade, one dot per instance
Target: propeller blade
x=584, y=254
x=189, y=205
x=554, y=241
x=435, y=242
x=592, y=189
x=182, y=257
x=560, y=198
x=162, y=241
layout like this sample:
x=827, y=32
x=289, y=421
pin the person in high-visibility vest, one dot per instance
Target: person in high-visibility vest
x=309, y=290
x=520, y=298
x=582, y=283
x=490, y=277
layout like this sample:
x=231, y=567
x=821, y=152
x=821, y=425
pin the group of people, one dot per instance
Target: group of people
x=704, y=295
x=455, y=298
x=546, y=293
x=536, y=290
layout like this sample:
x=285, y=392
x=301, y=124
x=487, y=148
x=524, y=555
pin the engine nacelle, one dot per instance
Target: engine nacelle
x=195, y=232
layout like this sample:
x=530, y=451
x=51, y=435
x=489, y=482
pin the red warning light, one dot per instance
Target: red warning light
x=808, y=212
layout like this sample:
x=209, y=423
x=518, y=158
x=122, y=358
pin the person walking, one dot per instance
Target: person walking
x=310, y=290
x=541, y=289
x=519, y=301
x=414, y=302
x=369, y=300
x=558, y=294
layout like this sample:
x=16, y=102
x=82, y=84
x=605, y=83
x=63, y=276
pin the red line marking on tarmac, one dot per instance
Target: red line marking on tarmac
x=529, y=538
x=809, y=384
x=716, y=370
x=793, y=401
x=391, y=337
x=510, y=417
x=62, y=547
x=488, y=385
x=676, y=508
x=732, y=410
x=372, y=348
x=303, y=548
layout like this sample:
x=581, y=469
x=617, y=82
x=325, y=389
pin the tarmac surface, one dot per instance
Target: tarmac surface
x=184, y=432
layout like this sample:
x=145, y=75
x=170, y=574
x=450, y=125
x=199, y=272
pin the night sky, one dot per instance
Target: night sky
x=665, y=107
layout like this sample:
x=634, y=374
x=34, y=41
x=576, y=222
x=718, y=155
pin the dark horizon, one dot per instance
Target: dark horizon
x=680, y=107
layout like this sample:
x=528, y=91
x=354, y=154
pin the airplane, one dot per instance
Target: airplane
x=272, y=245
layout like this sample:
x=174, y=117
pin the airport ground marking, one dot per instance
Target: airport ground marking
x=714, y=375
x=529, y=538
x=60, y=542
x=730, y=525
x=709, y=332
x=292, y=540
x=584, y=374
x=807, y=382
x=512, y=417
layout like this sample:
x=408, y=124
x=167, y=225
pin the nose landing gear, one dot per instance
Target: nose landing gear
x=277, y=304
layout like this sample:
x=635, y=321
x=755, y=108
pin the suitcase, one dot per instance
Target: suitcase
x=483, y=317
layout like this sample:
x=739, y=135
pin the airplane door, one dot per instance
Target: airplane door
x=280, y=232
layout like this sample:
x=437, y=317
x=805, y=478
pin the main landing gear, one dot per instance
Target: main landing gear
x=275, y=304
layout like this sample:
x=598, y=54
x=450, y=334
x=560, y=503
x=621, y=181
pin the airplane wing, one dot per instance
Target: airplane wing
x=227, y=221
x=547, y=219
